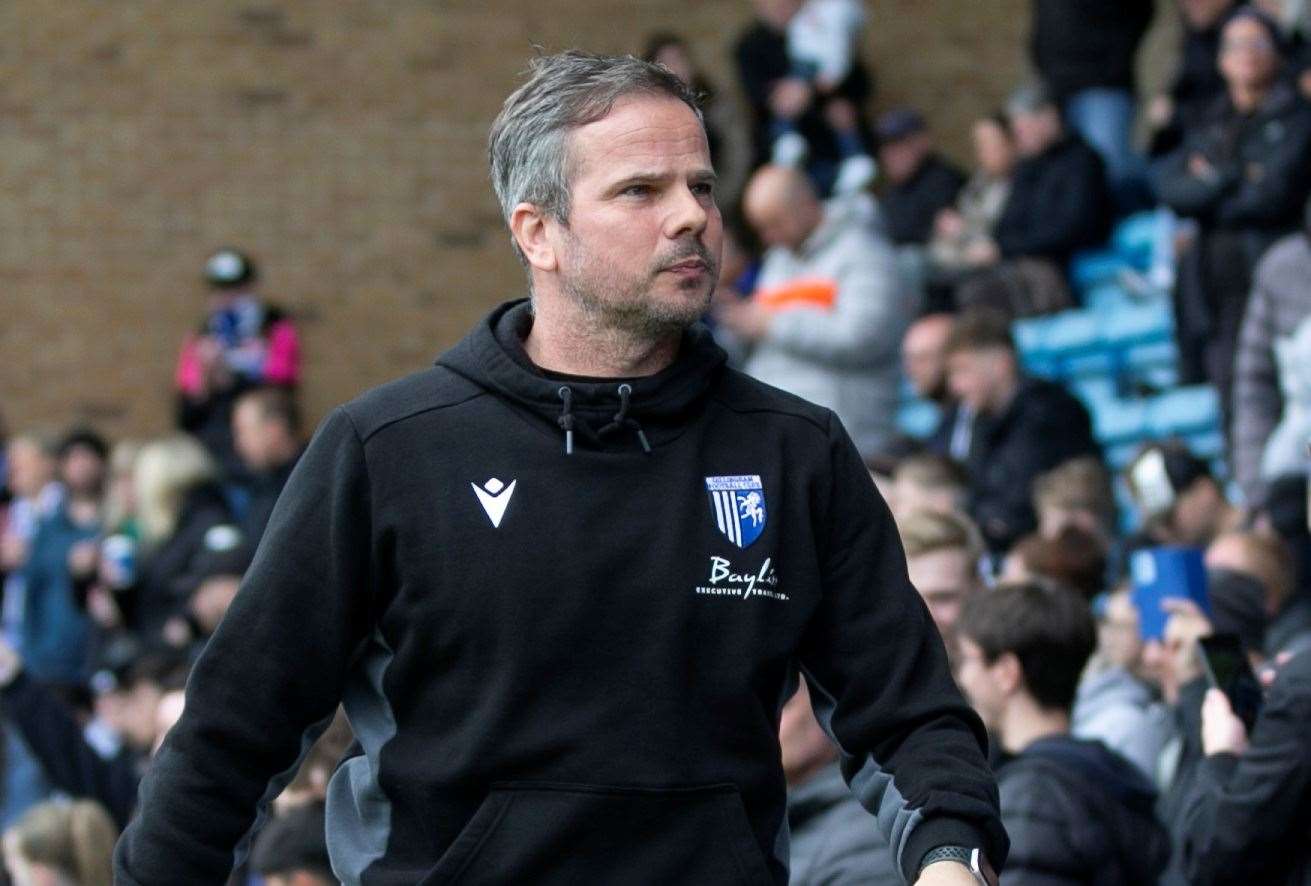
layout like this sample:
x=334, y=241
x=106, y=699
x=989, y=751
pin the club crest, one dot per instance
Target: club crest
x=738, y=506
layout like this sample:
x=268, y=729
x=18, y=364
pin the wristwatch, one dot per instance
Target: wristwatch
x=974, y=859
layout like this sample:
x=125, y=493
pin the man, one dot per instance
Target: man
x=1279, y=304
x=833, y=841
x=1078, y=495
x=1086, y=55
x=828, y=314
x=1179, y=500
x=1265, y=559
x=266, y=434
x=1022, y=426
x=920, y=183
x=943, y=551
x=1196, y=83
x=930, y=482
x=1075, y=811
x=560, y=580
x=924, y=357
x=1058, y=204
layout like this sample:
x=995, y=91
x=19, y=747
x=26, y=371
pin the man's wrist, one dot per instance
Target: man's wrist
x=972, y=860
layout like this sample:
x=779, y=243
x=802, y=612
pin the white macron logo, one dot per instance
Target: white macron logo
x=494, y=496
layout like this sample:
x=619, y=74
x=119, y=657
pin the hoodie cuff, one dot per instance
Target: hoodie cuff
x=940, y=831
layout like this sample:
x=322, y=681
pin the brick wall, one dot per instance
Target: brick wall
x=341, y=142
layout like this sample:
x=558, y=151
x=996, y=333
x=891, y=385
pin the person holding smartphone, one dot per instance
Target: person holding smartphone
x=1247, y=817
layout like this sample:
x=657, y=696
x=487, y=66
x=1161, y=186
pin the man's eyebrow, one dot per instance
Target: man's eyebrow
x=651, y=178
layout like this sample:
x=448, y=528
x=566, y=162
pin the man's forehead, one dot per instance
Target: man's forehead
x=638, y=131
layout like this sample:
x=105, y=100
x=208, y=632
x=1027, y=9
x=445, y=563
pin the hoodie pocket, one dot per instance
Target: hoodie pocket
x=564, y=834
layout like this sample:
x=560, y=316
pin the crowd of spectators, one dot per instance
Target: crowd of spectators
x=860, y=264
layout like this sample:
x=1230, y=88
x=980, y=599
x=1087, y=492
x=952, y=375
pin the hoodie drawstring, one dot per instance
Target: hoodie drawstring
x=623, y=420
x=566, y=419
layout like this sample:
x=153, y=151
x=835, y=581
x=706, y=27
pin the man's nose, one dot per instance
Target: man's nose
x=690, y=214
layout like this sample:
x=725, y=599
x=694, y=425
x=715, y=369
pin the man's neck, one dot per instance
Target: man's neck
x=1024, y=722
x=1247, y=99
x=1003, y=397
x=575, y=342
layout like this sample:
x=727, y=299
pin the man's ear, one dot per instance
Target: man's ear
x=528, y=226
x=1008, y=673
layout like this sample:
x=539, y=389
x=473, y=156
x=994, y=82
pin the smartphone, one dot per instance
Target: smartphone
x=1228, y=669
x=1151, y=483
x=1161, y=573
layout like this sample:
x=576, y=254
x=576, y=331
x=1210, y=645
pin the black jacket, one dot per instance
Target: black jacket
x=1262, y=168
x=762, y=60
x=1043, y=426
x=168, y=572
x=68, y=762
x=1195, y=87
x=568, y=668
x=1079, y=813
x=1058, y=203
x=264, y=491
x=1248, y=818
x=1083, y=44
x=909, y=209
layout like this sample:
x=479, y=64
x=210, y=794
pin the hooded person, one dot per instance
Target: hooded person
x=563, y=581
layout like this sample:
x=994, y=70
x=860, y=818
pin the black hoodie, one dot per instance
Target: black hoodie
x=1079, y=813
x=559, y=667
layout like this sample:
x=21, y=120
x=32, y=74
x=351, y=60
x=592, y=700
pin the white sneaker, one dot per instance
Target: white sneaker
x=790, y=149
x=855, y=174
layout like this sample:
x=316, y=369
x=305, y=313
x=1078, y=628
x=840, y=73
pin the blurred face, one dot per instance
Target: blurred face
x=993, y=151
x=944, y=578
x=674, y=57
x=924, y=358
x=1248, y=59
x=781, y=220
x=1035, y=132
x=902, y=159
x=977, y=377
x=1118, y=634
x=1202, y=14
x=777, y=12
x=910, y=496
x=642, y=245
x=134, y=714
x=250, y=434
x=1055, y=519
x=23, y=872
x=1197, y=513
x=82, y=470
x=30, y=469
x=981, y=682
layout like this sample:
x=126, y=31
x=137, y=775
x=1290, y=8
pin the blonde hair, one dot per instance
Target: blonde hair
x=1078, y=483
x=74, y=838
x=923, y=532
x=166, y=469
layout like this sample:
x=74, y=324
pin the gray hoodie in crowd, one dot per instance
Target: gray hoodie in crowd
x=1121, y=712
x=847, y=357
x=835, y=841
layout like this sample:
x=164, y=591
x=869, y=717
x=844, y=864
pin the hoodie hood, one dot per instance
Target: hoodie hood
x=619, y=414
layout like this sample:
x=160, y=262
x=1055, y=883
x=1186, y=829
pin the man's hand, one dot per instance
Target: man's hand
x=1222, y=731
x=946, y=873
x=745, y=319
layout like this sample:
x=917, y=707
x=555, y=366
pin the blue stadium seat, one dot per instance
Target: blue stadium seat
x=1134, y=239
x=1108, y=297
x=1120, y=421
x=1094, y=390
x=1147, y=357
x=918, y=418
x=1184, y=412
x=1146, y=323
x=1089, y=268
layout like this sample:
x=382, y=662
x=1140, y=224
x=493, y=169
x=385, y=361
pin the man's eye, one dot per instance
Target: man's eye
x=704, y=189
x=637, y=190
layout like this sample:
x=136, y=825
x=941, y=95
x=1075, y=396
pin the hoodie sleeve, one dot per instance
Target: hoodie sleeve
x=912, y=750
x=271, y=673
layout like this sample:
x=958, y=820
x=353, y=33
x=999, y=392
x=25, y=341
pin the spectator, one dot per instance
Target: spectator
x=786, y=62
x=1021, y=427
x=1077, y=494
x=963, y=235
x=37, y=495
x=920, y=183
x=1071, y=806
x=1270, y=404
x=182, y=512
x=1267, y=560
x=1196, y=84
x=1243, y=173
x=1114, y=705
x=55, y=632
x=943, y=551
x=242, y=342
x=1073, y=559
x=77, y=762
x=62, y=843
x=1179, y=501
x=833, y=839
x=266, y=431
x=729, y=151
x=1058, y=204
x=924, y=357
x=1246, y=819
x=1294, y=18
x=292, y=850
x=930, y=482
x=1085, y=54
x=827, y=318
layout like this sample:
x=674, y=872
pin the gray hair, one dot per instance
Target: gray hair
x=528, y=145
